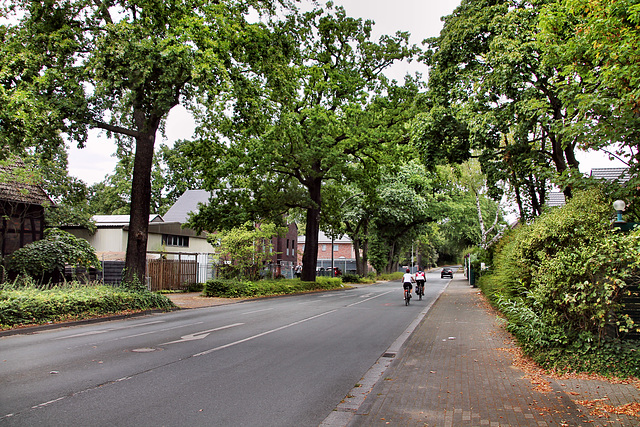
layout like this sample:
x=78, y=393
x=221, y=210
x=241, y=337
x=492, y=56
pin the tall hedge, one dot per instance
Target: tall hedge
x=563, y=275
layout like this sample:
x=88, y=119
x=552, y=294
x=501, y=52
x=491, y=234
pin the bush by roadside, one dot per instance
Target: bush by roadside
x=27, y=305
x=226, y=288
x=397, y=275
x=560, y=280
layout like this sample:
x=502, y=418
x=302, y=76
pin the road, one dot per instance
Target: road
x=273, y=362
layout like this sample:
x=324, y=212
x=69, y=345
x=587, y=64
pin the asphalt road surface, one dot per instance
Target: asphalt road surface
x=273, y=362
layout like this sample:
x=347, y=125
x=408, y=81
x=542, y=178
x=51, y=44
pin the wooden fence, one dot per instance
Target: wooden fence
x=172, y=274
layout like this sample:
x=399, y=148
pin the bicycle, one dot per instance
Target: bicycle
x=407, y=295
x=420, y=289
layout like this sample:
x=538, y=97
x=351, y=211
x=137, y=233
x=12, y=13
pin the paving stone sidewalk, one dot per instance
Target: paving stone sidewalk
x=460, y=368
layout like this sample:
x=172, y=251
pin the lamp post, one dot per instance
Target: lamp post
x=619, y=206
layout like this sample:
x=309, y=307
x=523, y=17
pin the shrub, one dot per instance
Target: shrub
x=350, y=278
x=391, y=276
x=559, y=281
x=225, y=288
x=31, y=305
x=49, y=256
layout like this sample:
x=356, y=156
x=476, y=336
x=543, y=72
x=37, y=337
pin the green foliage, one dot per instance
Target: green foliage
x=492, y=94
x=303, y=126
x=350, y=278
x=31, y=305
x=593, y=45
x=247, y=289
x=396, y=275
x=560, y=280
x=134, y=284
x=51, y=254
x=243, y=250
x=407, y=204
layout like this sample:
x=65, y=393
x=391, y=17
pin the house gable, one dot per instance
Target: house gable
x=22, y=205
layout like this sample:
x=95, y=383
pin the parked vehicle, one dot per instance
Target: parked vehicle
x=446, y=272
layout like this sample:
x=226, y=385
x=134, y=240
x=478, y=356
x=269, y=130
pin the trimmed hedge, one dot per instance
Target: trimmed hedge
x=29, y=305
x=227, y=288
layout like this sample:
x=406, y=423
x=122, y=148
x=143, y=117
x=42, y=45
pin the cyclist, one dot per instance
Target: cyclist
x=420, y=279
x=407, y=279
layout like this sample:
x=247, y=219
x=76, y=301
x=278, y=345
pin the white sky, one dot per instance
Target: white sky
x=419, y=17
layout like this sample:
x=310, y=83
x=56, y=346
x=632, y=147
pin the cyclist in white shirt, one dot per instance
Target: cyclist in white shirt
x=407, y=279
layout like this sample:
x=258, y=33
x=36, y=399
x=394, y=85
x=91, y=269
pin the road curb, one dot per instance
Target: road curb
x=342, y=415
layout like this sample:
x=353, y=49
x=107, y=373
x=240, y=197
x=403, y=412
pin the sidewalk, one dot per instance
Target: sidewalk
x=460, y=368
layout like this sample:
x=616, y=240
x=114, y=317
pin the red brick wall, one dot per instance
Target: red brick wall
x=345, y=250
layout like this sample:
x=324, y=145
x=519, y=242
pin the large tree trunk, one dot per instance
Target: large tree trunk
x=136, y=258
x=310, y=255
x=362, y=244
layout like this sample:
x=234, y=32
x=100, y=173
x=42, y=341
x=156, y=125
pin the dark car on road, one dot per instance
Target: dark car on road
x=446, y=272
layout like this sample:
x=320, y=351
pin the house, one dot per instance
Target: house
x=22, y=206
x=611, y=174
x=169, y=240
x=176, y=256
x=284, y=256
x=344, y=256
x=556, y=198
x=110, y=238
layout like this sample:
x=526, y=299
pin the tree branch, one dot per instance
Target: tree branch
x=116, y=129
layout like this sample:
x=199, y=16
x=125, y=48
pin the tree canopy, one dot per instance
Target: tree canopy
x=121, y=67
x=491, y=94
x=282, y=138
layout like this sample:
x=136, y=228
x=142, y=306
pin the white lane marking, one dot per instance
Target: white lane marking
x=263, y=334
x=155, y=331
x=256, y=311
x=102, y=331
x=369, y=299
x=42, y=405
x=202, y=334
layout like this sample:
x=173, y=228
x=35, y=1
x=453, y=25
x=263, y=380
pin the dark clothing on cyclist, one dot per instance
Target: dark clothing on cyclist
x=420, y=280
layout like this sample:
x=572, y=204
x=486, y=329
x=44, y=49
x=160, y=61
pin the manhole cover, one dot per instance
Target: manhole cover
x=143, y=350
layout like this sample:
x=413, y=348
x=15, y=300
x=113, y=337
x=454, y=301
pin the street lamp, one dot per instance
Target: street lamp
x=619, y=206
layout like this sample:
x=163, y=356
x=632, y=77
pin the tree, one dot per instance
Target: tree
x=243, y=250
x=407, y=205
x=116, y=66
x=594, y=45
x=284, y=137
x=474, y=182
x=490, y=92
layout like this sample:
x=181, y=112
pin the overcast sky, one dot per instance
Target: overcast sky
x=421, y=18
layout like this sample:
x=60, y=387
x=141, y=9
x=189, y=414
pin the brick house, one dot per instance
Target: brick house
x=344, y=256
x=22, y=206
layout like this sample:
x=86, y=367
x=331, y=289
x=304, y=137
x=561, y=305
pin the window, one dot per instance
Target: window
x=335, y=248
x=324, y=248
x=171, y=240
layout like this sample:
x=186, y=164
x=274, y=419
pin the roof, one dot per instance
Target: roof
x=556, y=198
x=186, y=204
x=15, y=187
x=120, y=220
x=611, y=174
